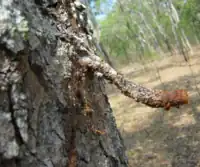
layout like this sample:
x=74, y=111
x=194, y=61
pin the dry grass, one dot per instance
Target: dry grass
x=154, y=137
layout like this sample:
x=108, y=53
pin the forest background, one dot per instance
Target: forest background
x=154, y=43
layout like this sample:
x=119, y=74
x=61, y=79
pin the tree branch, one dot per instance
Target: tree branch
x=149, y=97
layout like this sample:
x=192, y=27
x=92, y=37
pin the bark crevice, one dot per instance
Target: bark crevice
x=18, y=136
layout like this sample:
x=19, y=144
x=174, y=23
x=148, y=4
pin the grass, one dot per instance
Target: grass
x=154, y=137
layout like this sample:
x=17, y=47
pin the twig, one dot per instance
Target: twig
x=149, y=97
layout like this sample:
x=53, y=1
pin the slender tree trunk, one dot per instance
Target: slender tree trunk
x=52, y=113
x=105, y=54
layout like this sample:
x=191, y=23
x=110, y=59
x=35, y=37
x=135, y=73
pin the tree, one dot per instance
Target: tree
x=150, y=27
x=54, y=110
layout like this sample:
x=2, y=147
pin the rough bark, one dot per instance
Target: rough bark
x=53, y=112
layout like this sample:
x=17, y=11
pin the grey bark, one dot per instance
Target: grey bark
x=43, y=91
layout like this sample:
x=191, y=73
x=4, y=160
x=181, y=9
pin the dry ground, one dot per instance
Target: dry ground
x=154, y=137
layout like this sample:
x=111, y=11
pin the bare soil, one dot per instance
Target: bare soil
x=154, y=137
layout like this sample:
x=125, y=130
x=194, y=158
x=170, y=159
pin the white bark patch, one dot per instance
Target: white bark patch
x=12, y=150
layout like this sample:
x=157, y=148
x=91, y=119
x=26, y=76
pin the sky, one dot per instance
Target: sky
x=106, y=7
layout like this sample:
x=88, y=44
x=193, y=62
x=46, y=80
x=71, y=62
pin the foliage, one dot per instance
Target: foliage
x=190, y=17
x=138, y=29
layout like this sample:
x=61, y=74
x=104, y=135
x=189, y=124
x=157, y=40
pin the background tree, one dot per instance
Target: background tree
x=144, y=29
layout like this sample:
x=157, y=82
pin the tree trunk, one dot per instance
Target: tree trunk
x=52, y=112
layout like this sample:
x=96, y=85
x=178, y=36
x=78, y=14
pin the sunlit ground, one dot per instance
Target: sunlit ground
x=158, y=138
